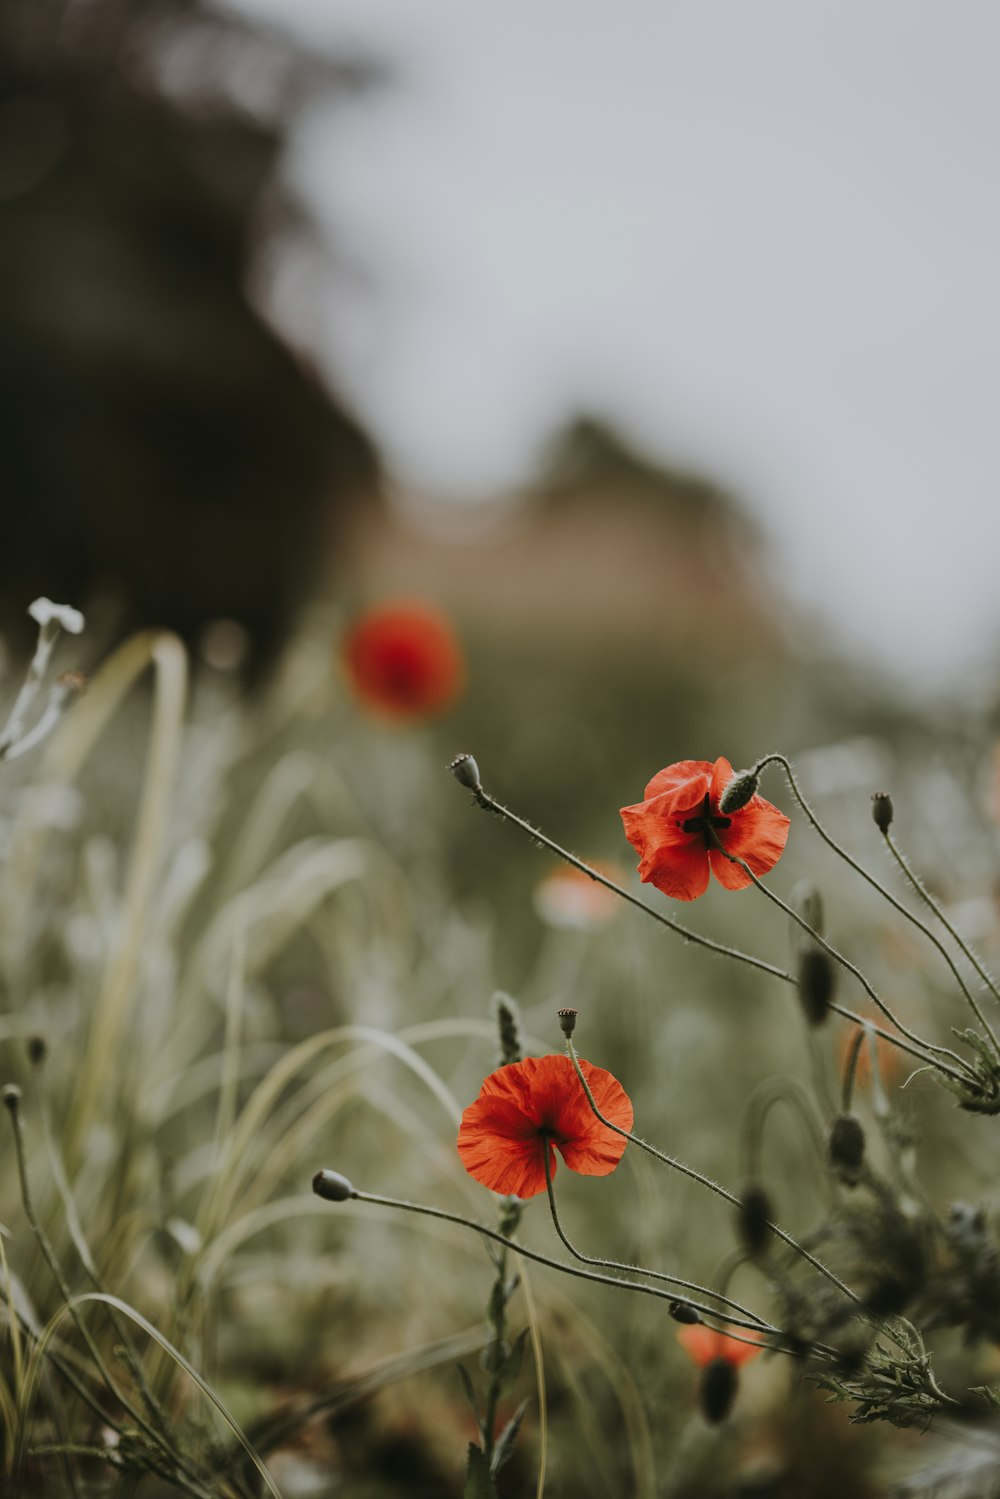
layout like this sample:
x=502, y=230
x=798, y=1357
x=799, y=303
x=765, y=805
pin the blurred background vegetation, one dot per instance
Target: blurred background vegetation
x=198, y=882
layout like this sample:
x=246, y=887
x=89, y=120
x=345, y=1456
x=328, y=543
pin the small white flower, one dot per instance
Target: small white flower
x=45, y=612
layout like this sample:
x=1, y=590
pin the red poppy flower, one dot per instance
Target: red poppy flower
x=529, y=1107
x=404, y=660
x=670, y=831
x=704, y=1345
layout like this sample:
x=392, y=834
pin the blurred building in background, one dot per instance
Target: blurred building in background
x=167, y=460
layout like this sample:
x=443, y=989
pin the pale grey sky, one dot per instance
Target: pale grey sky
x=765, y=236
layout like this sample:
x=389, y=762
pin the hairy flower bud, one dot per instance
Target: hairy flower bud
x=332, y=1186
x=882, y=810
x=11, y=1095
x=739, y=791
x=755, y=1215
x=37, y=1049
x=719, y=1382
x=816, y=984
x=846, y=1148
x=682, y=1311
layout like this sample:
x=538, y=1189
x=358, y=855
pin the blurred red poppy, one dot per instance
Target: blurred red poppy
x=670, y=831
x=529, y=1107
x=704, y=1345
x=403, y=660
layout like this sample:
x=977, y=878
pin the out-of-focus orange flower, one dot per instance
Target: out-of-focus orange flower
x=704, y=1345
x=536, y=1106
x=670, y=831
x=892, y=1062
x=566, y=897
x=403, y=660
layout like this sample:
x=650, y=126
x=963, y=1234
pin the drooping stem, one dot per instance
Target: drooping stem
x=706, y=1181
x=745, y=1317
x=845, y=963
x=580, y=1273
x=932, y=905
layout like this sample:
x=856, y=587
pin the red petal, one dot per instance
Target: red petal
x=589, y=1146
x=758, y=835
x=688, y=780
x=703, y=1344
x=672, y=860
x=722, y=774
x=501, y=1140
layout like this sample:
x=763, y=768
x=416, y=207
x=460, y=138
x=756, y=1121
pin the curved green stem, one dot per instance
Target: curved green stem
x=929, y=1047
x=489, y=804
x=706, y=1181
x=897, y=905
x=746, y=1317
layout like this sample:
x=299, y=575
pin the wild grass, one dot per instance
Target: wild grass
x=233, y=950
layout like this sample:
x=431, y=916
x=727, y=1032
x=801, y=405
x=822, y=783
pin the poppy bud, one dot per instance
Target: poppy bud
x=567, y=1021
x=846, y=1148
x=37, y=1050
x=683, y=1311
x=466, y=772
x=739, y=791
x=11, y=1095
x=755, y=1215
x=717, y=1392
x=882, y=810
x=332, y=1186
x=508, y=1021
x=815, y=980
x=809, y=903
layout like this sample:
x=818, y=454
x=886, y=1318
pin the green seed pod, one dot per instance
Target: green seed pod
x=882, y=810
x=466, y=772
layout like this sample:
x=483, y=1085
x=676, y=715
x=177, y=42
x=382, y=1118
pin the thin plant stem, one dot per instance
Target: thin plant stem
x=759, y=1105
x=932, y=905
x=530, y=1254
x=897, y=905
x=845, y=963
x=706, y=1181
x=489, y=804
x=747, y=1318
x=851, y=1069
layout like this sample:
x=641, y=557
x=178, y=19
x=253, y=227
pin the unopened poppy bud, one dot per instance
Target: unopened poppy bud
x=466, y=772
x=11, y=1095
x=882, y=810
x=846, y=1147
x=332, y=1186
x=37, y=1049
x=567, y=1021
x=683, y=1311
x=739, y=791
x=816, y=981
x=719, y=1381
x=809, y=903
x=755, y=1216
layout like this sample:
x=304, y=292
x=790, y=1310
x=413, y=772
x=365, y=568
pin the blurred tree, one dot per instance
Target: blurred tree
x=162, y=447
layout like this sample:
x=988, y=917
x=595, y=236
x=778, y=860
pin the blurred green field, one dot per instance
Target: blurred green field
x=260, y=937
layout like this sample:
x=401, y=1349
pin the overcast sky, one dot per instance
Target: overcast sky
x=765, y=236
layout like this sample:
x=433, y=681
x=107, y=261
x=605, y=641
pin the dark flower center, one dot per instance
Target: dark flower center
x=705, y=819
